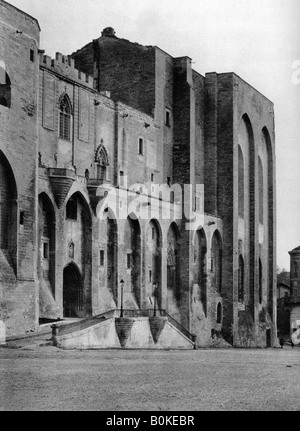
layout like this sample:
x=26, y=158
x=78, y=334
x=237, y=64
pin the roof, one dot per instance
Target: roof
x=295, y=250
x=281, y=284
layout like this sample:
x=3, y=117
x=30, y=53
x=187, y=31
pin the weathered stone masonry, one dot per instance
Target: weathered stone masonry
x=111, y=115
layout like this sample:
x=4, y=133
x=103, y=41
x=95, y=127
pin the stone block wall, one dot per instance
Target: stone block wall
x=19, y=43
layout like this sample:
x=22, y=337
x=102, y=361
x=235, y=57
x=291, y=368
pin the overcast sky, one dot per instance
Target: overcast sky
x=257, y=39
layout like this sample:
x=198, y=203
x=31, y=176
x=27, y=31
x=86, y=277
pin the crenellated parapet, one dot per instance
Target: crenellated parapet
x=64, y=65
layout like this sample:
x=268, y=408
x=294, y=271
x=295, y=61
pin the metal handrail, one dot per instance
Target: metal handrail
x=181, y=328
x=146, y=312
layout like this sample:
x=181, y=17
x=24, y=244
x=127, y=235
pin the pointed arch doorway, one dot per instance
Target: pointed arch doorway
x=72, y=292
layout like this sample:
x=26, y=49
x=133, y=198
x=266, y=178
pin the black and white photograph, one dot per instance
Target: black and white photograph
x=149, y=208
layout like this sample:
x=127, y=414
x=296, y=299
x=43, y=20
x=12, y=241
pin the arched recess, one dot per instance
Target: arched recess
x=46, y=229
x=241, y=183
x=216, y=261
x=133, y=256
x=153, y=270
x=73, y=291
x=112, y=254
x=78, y=226
x=241, y=280
x=173, y=263
x=267, y=261
x=260, y=191
x=5, y=88
x=200, y=267
x=247, y=228
x=8, y=209
x=260, y=281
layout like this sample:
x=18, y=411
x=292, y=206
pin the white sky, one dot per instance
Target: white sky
x=257, y=39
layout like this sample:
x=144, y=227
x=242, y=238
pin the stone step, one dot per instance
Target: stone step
x=123, y=328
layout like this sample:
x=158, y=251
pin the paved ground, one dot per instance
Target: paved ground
x=34, y=377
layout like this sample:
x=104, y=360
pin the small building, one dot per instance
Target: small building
x=293, y=301
x=283, y=290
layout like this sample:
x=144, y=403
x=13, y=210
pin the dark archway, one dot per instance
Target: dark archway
x=241, y=281
x=78, y=243
x=112, y=255
x=133, y=256
x=216, y=261
x=173, y=266
x=260, y=281
x=73, y=301
x=249, y=235
x=268, y=264
x=153, y=275
x=241, y=183
x=200, y=268
x=47, y=240
x=260, y=191
x=8, y=209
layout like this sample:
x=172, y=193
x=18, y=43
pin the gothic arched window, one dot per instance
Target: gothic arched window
x=71, y=250
x=65, y=112
x=102, y=162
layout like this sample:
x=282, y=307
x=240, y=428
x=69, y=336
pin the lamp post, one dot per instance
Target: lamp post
x=122, y=292
x=154, y=294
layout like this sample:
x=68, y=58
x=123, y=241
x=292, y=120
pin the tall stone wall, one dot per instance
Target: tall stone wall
x=19, y=43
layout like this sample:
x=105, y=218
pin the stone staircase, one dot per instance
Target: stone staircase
x=136, y=331
x=123, y=328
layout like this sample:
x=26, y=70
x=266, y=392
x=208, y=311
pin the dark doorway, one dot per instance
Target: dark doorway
x=268, y=336
x=72, y=292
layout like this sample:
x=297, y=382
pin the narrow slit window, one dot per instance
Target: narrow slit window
x=22, y=218
x=141, y=146
x=168, y=118
x=128, y=260
x=101, y=258
x=46, y=250
x=121, y=178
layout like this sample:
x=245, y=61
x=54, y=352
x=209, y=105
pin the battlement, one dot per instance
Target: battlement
x=65, y=65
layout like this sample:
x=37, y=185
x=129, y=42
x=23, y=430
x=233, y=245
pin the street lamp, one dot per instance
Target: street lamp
x=154, y=294
x=122, y=292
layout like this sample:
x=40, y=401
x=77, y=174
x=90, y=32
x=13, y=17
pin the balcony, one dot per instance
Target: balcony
x=61, y=180
x=98, y=188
